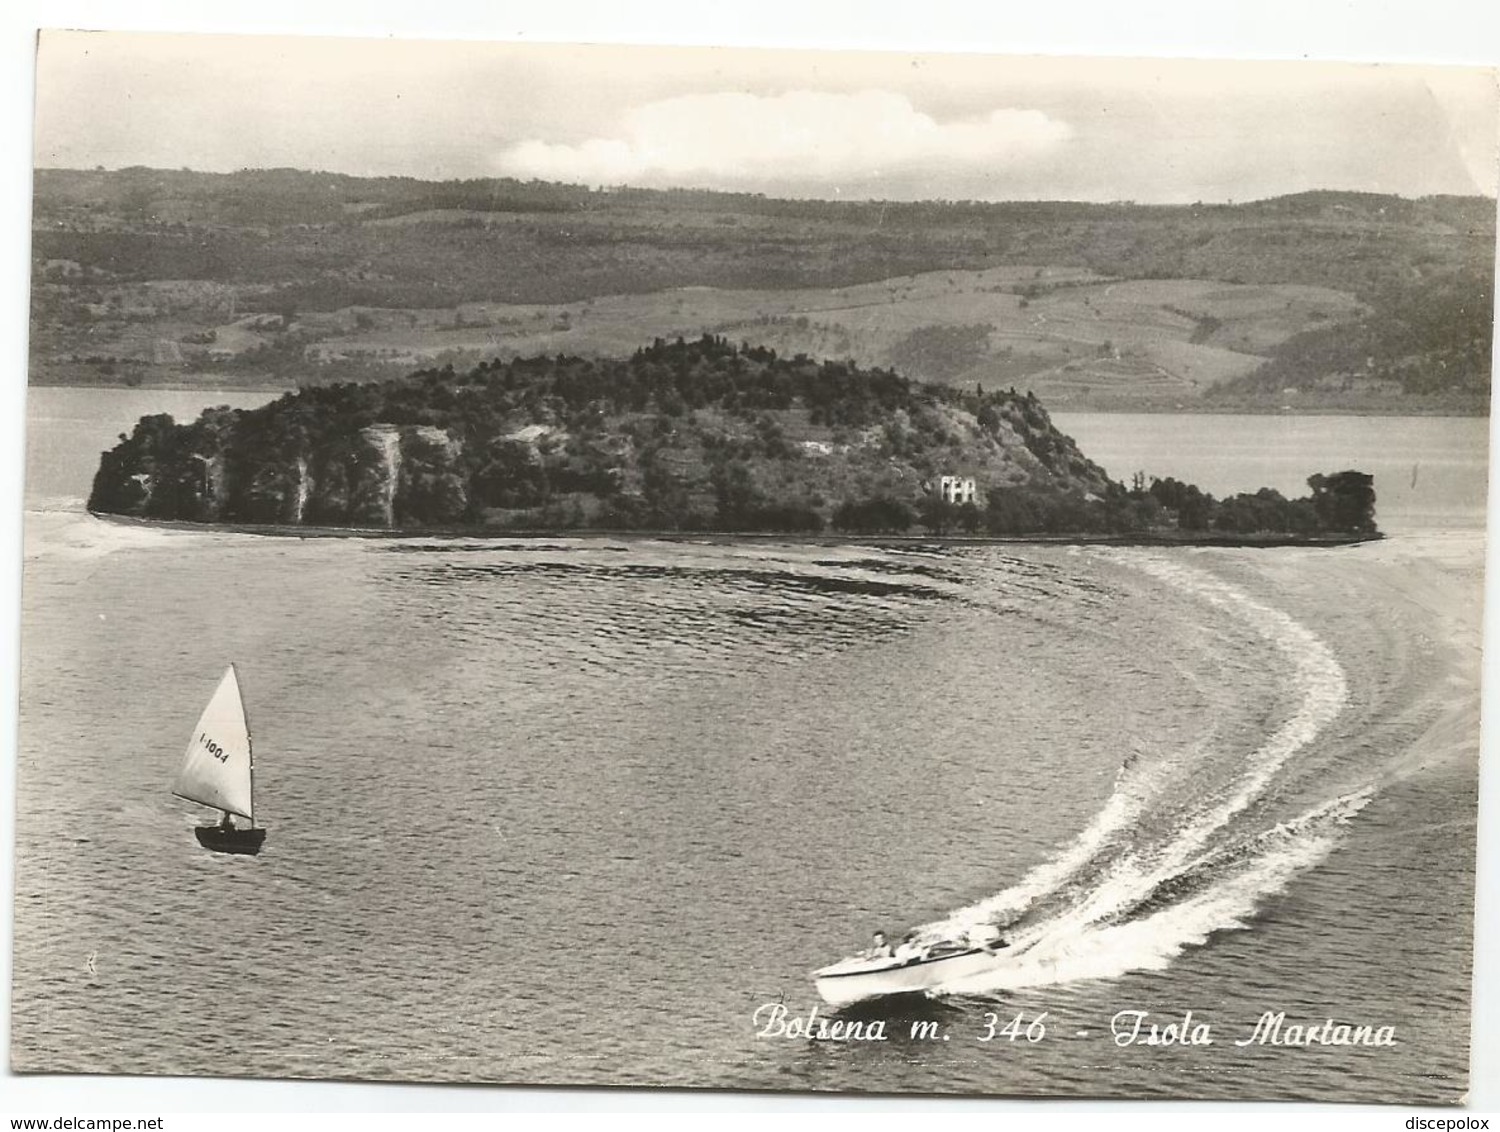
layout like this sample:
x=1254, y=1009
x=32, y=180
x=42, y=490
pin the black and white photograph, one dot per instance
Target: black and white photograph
x=718, y=568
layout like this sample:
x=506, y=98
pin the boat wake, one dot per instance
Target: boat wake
x=1183, y=847
x=61, y=529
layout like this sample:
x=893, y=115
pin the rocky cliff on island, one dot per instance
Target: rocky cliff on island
x=693, y=436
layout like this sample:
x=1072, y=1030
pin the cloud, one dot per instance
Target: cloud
x=724, y=139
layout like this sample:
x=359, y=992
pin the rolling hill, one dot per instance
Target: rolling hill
x=282, y=277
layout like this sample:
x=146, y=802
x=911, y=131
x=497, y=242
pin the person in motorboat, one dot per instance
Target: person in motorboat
x=987, y=936
x=879, y=948
x=908, y=951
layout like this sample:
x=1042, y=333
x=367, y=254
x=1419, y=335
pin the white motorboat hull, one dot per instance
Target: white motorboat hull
x=858, y=980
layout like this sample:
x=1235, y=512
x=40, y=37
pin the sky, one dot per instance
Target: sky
x=851, y=124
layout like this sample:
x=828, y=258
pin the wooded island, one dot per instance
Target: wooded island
x=681, y=436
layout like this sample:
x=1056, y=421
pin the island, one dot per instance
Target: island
x=682, y=436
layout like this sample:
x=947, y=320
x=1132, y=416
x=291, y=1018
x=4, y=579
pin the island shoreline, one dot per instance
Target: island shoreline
x=1160, y=539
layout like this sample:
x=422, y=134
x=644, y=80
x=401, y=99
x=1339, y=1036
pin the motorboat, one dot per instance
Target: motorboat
x=911, y=970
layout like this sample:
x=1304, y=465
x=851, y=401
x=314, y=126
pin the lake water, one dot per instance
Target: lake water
x=570, y=811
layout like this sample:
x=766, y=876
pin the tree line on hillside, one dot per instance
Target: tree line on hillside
x=308, y=230
x=282, y=194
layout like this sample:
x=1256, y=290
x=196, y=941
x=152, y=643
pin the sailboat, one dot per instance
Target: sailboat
x=219, y=771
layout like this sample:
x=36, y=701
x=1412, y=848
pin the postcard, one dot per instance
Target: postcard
x=753, y=569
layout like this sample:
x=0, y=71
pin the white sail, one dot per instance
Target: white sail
x=218, y=770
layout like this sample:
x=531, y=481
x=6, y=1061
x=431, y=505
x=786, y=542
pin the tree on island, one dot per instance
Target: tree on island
x=1344, y=501
x=883, y=516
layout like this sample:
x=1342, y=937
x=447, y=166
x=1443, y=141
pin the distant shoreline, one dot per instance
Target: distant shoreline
x=1057, y=409
x=484, y=534
x=166, y=387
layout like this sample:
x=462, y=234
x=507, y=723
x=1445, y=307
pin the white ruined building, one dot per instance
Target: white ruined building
x=957, y=489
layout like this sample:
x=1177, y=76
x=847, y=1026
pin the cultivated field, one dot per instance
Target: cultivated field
x=1064, y=333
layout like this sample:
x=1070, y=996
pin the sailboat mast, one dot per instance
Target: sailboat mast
x=249, y=742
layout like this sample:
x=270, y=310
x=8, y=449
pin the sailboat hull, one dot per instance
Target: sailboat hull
x=222, y=840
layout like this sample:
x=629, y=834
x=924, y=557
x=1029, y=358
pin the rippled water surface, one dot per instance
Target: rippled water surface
x=571, y=811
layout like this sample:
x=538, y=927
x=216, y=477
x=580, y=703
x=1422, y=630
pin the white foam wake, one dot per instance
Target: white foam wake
x=1220, y=893
x=66, y=532
x=1113, y=869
